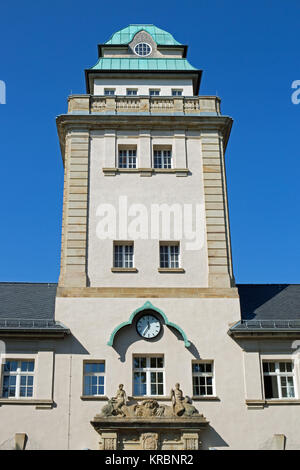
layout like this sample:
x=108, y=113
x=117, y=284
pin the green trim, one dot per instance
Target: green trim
x=148, y=306
x=135, y=63
x=125, y=35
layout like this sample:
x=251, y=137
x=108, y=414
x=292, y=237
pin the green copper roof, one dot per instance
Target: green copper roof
x=125, y=35
x=107, y=63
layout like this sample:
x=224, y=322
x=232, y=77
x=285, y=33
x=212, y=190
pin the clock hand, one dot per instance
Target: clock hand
x=147, y=327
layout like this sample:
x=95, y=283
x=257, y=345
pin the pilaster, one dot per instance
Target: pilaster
x=217, y=223
x=75, y=210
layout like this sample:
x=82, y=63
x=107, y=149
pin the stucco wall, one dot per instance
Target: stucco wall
x=158, y=189
x=205, y=322
x=164, y=85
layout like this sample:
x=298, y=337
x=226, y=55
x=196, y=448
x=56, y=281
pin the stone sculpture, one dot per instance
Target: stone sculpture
x=149, y=408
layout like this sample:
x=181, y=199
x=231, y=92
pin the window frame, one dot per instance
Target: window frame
x=169, y=245
x=143, y=43
x=130, y=90
x=148, y=369
x=91, y=374
x=127, y=156
x=155, y=90
x=204, y=374
x=278, y=374
x=176, y=91
x=108, y=90
x=18, y=374
x=163, y=158
x=123, y=244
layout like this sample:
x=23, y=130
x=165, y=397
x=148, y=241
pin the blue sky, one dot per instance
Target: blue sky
x=249, y=52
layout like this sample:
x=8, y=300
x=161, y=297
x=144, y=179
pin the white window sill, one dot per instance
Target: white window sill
x=171, y=270
x=124, y=270
x=94, y=397
x=39, y=404
x=275, y=401
x=205, y=398
x=151, y=397
x=146, y=171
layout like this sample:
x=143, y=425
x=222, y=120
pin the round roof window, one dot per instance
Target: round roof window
x=143, y=49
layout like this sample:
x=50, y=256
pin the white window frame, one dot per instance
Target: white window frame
x=109, y=91
x=176, y=91
x=205, y=375
x=123, y=246
x=148, y=371
x=169, y=245
x=131, y=91
x=93, y=374
x=279, y=375
x=126, y=153
x=163, y=157
x=140, y=44
x=155, y=90
x=18, y=374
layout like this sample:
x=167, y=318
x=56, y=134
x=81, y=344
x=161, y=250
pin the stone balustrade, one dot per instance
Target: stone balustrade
x=88, y=104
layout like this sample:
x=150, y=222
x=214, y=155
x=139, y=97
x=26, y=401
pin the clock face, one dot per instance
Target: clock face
x=148, y=326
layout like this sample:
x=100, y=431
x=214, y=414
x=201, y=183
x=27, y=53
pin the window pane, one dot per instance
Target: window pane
x=160, y=362
x=101, y=380
x=153, y=362
x=12, y=392
x=10, y=366
x=139, y=384
x=12, y=380
x=87, y=389
x=27, y=366
x=271, y=388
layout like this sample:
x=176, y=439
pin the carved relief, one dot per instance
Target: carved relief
x=149, y=441
x=149, y=408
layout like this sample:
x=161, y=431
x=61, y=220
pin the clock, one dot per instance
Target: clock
x=148, y=326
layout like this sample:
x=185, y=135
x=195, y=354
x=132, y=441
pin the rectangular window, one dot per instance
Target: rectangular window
x=17, y=381
x=127, y=158
x=131, y=92
x=169, y=255
x=154, y=92
x=176, y=92
x=148, y=375
x=109, y=91
x=93, y=378
x=279, y=379
x=123, y=255
x=203, y=379
x=162, y=158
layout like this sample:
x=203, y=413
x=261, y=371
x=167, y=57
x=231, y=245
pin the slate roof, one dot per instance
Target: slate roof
x=273, y=307
x=28, y=306
x=125, y=35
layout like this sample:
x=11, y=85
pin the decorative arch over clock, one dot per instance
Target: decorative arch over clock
x=148, y=306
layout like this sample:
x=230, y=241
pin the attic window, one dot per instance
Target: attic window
x=143, y=49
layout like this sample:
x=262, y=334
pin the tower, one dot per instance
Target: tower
x=146, y=262
x=142, y=100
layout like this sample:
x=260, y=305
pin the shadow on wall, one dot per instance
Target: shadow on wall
x=128, y=335
x=211, y=439
x=70, y=345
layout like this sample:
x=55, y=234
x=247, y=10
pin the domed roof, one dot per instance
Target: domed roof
x=125, y=35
